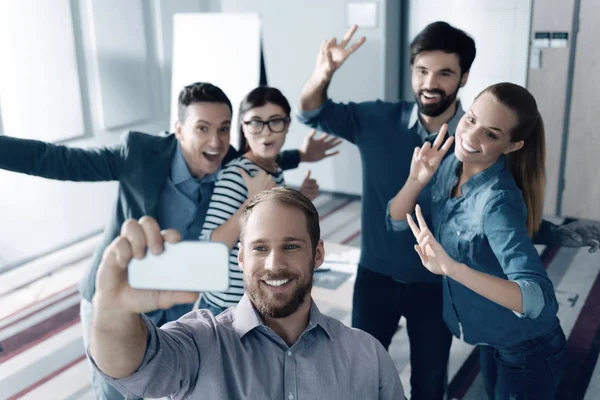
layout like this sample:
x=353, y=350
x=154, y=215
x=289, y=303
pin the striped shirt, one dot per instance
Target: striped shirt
x=229, y=195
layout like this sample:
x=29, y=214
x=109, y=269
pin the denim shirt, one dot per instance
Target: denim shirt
x=485, y=229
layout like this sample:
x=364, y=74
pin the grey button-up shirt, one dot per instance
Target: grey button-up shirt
x=236, y=356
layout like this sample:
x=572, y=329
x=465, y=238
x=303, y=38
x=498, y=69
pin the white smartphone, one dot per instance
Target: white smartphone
x=192, y=266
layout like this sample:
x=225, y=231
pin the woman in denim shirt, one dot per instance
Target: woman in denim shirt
x=483, y=206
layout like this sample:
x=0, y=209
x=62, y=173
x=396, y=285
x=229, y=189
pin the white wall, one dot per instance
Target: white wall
x=118, y=63
x=292, y=34
x=129, y=65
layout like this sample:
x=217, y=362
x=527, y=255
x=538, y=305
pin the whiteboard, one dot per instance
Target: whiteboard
x=223, y=49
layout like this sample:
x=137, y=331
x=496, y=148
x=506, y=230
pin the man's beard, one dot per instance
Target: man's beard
x=278, y=305
x=436, y=109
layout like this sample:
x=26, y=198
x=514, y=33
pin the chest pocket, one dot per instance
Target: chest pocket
x=436, y=197
x=465, y=244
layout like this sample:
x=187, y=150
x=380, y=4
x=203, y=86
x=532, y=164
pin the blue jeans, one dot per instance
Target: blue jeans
x=529, y=370
x=377, y=305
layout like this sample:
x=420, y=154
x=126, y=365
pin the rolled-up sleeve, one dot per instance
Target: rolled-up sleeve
x=533, y=298
x=392, y=224
x=306, y=115
x=505, y=228
x=424, y=201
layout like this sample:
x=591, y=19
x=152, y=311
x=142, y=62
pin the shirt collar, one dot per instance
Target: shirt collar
x=479, y=179
x=452, y=123
x=246, y=318
x=180, y=171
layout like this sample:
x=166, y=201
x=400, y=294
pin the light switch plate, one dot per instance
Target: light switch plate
x=535, y=58
x=363, y=14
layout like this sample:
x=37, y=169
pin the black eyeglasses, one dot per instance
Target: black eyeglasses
x=276, y=125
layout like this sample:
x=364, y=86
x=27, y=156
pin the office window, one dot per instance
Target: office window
x=120, y=62
x=40, y=92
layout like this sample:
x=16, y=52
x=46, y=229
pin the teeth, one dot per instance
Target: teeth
x=277, y=283
x=212, y=153
x=431, y=96
x=468, y=148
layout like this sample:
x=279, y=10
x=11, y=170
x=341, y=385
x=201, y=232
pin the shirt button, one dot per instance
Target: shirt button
x=291, y=396
x=458, y=233
x=289, y=353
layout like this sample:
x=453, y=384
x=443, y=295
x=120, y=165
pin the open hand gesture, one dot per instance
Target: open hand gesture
x=313, y=149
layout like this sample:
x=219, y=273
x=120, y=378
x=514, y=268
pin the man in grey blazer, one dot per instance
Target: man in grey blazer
x=170, y=178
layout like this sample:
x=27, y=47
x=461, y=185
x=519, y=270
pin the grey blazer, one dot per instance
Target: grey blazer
x=140, y=162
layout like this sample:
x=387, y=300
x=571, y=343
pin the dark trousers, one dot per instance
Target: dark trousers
x=378, y=303
x=531, y=370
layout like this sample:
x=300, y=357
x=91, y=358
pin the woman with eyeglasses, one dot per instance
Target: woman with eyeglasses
x=264, y=122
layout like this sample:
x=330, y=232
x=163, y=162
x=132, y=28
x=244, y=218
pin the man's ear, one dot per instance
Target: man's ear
x=319, y=254
x=464, y=79
x=240, y=256
x=514, y=146
x=178, y=133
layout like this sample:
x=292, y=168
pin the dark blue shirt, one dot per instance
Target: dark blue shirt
x=386, y=134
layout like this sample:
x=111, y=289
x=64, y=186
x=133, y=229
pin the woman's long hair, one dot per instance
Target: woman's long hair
x=527, y=164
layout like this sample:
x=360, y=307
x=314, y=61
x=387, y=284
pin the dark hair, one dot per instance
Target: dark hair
x=443, y=36
x=289, y=197
x=527, y=164
x=258, y=98
x=199, y=92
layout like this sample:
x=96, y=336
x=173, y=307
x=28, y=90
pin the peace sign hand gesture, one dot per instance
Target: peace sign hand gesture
x=333, y=54
x=427, y=159
x=433, y=256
